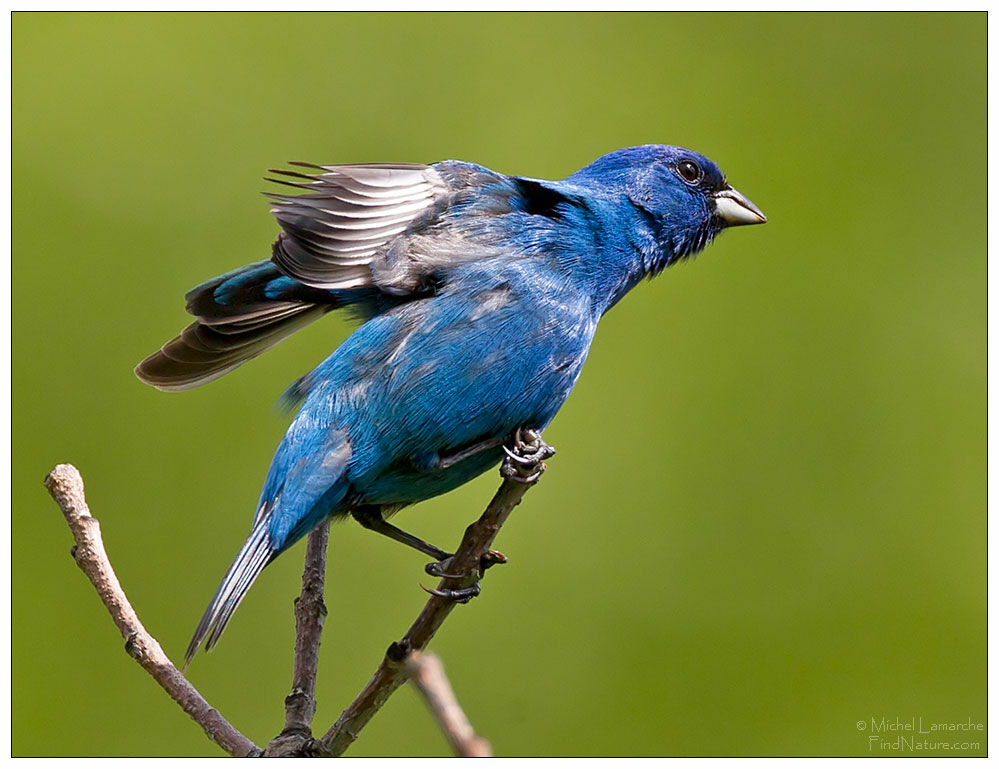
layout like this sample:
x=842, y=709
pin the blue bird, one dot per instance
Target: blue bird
x=479, y=295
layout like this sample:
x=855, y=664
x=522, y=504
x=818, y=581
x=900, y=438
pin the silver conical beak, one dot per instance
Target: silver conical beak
x=734, y=208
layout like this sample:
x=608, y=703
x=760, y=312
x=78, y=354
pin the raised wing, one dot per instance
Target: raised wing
x=370, y=236
x=334, y=229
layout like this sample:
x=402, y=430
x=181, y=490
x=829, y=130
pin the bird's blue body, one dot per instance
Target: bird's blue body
x=479, y=293
x=500, y=347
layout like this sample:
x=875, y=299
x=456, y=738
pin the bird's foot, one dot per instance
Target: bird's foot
x=525, y=460
x=461, y=594
x=458, y=595
x=440, y=568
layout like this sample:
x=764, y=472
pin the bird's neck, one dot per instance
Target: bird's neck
x=643, y=246
x=628, y=246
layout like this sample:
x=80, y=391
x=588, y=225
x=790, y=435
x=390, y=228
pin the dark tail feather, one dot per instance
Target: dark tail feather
x=255, y=554
x=248, y=292
x=240, y=315
x=202, y=353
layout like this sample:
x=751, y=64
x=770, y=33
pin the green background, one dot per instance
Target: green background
x=766, y=520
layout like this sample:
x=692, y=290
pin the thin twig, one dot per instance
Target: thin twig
x=518, y=477
x=427, y=674
x=66, y=487
x=310, y=614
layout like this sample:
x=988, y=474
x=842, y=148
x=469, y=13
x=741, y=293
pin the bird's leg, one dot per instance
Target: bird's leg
x=452, y=459
x=370, y=517
x=524, y=463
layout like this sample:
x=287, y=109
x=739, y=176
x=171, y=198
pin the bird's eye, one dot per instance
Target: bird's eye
x=689, y=171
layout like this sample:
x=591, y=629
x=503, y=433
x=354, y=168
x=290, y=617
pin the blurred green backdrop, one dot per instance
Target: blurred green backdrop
x=771, y=474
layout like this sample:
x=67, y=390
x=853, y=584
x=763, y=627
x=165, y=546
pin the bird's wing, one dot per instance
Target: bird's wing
x=334, y=229
x=369, y=236
x=401, y=228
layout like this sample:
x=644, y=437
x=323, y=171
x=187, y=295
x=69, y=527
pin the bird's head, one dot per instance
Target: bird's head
x=682, y=195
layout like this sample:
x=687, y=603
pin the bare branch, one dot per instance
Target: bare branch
x=310, y=614
x=66, y=487
x=427, y=673
x=518, y=476
x=462, y=571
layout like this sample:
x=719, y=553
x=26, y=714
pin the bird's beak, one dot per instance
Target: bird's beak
x=734, y=208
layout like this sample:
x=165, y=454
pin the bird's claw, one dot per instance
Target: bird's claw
x=525, y=479
x=514, y=457
x=458, y=595
x=439, y=569
x=524, y=462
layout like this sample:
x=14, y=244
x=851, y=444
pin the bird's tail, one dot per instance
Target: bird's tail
x=239, y=315
x=256, y=553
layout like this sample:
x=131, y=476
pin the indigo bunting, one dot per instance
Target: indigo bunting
x=479, y=295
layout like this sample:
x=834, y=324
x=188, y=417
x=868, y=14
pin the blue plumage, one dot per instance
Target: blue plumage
x=479, y=295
